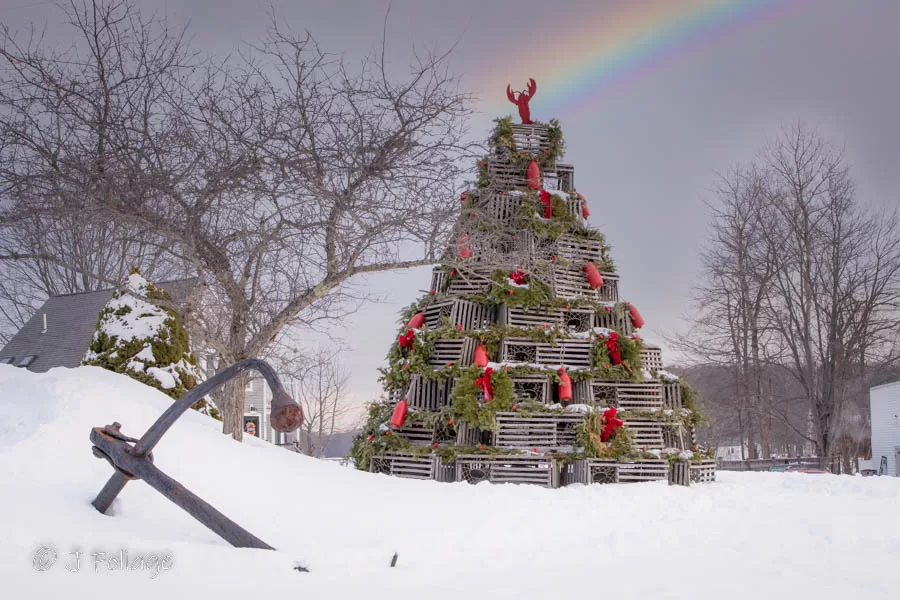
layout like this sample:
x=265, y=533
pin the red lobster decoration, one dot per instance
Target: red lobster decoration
x=522, y=100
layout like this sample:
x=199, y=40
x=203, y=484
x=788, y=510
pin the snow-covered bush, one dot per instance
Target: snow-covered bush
x=145, y=341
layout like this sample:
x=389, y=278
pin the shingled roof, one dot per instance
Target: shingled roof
x=71, y=322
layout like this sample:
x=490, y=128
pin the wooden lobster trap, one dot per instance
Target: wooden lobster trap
x=500, y=206
x=572, y=353
x=469, y=436
x=417, y=434
x=672, y=395
x=545, y=431
x=532, y=249
x=703, y=472
x=686, y=473
x=469, y=283
x=403, y=465
x=651, y=357
x=610, y=318
x=571, y=283
x=535, y=388
x=506, y=175
x=675, y=436
x=428, y=394
x=534, y=138
x=448, y=352
x=535, y=470
x=471, y=315
x=647, y=433
x=579, y=250
x=625, y=395
x=513, y=316
x=566, y=177
x=597, y=470
x=438, y=280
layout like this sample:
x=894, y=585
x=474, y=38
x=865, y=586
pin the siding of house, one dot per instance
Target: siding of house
x=885, y=406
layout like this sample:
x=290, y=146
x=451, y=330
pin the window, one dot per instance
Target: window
x=7, y=361
x=27, y=360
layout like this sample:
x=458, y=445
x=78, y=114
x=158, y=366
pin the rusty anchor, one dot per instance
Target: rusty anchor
x=133, y=458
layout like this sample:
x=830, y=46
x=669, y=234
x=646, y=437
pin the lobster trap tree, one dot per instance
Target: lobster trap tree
x=276, y=178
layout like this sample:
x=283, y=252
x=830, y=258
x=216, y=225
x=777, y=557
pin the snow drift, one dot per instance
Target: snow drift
x=747, y=536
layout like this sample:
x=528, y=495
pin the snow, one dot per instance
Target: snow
x=751, y=535
x=165, y=378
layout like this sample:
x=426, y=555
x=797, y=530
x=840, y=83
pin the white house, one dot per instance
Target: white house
x=885, y=406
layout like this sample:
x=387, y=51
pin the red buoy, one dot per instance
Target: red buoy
x=416, y=322
x=593, y=275
x=636, y=319
x=481, y=356
x=533, y=175
x=565, y=386
x=585, y=211
x=399, y=415
x=465, y=250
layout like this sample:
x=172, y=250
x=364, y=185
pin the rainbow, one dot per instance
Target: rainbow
x=574, y=68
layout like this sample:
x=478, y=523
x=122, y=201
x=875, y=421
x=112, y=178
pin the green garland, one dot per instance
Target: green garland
x=621, y=447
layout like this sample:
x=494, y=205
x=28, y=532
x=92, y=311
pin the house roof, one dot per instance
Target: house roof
x=71, y=322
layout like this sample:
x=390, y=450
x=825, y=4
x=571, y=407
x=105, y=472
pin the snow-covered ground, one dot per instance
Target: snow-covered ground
x=748, y=536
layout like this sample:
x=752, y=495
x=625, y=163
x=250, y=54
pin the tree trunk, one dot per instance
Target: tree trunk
x=233, y=408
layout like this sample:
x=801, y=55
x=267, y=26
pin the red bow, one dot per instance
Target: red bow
x=406, y=341
x=484, y=382
x=611, y=423
x=548, y=209
x=612, y=344
x=518, y=277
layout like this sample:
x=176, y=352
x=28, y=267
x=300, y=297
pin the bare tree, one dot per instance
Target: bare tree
x=321, y=390
x=837, y=281
x=276, y=179
x=801, y=283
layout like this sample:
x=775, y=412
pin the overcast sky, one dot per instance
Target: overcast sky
x=646, y=142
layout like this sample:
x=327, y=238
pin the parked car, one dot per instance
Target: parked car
x=803, y=469
x=780, y=468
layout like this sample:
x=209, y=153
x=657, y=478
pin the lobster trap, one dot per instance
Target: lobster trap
x=544, y=431
x=573, y=353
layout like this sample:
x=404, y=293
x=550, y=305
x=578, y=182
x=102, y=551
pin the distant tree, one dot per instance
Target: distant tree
x=800, y=297
x=321, y=391
x=137, y=335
